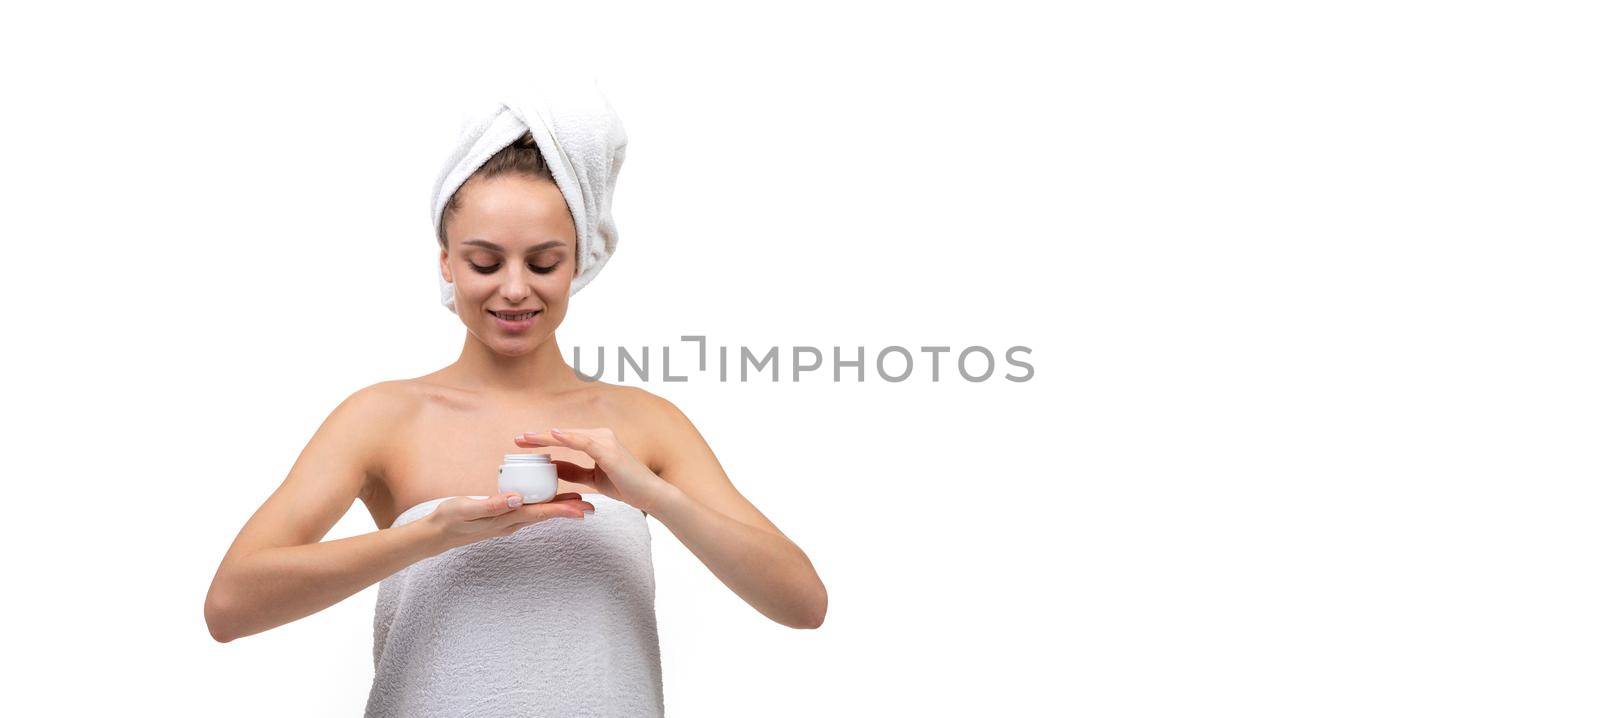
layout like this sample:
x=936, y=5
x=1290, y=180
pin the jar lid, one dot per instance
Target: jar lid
x=527, y=458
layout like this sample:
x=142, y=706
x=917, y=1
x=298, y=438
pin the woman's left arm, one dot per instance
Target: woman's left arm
x=691, y=495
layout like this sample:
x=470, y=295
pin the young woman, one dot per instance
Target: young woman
x=486, y=602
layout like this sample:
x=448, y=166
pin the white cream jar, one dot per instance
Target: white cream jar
x=530, y=475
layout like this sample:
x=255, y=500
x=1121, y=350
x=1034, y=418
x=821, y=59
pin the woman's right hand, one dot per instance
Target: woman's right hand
x=462, y=520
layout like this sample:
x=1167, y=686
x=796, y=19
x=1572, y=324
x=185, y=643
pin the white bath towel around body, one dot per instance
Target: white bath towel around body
x=557, y=619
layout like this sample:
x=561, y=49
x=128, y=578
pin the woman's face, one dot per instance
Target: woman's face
x=510, y=250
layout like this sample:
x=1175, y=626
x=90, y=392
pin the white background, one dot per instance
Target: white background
x=1310, y=289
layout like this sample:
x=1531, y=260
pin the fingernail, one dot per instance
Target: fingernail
x=513, y=501
x=556, y=432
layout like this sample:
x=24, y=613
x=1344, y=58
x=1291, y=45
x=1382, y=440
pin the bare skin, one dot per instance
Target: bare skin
x=395, y=444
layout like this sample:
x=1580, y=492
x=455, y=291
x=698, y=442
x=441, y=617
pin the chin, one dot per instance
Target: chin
x=513, y=347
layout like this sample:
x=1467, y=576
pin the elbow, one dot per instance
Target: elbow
x=818, y=610
x=217, y=621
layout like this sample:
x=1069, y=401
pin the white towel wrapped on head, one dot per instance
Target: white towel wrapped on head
x=583, y=142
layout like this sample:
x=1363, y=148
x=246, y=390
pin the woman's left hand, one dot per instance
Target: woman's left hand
x=616, y=472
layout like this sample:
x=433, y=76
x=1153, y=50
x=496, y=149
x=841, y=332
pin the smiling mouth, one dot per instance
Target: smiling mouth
x=519, y=316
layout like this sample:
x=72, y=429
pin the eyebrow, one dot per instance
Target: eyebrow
x=486, y=244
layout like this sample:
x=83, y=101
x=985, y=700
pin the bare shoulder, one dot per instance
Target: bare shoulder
x=386, y=401
x=337, y=465
x=660, y=429
x=368, y=416
x=644, y=409
x=680, y=455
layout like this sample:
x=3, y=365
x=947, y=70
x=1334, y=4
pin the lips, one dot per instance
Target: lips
x=514, y=316
x=515, y=322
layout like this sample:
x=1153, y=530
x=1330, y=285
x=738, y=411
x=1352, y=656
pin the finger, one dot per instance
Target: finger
x=574, y=508
x=494, y=505
x=516, y=520
x=596, y=443
x=531, y=513
x=578, y=501
x=548, y=437
x=573, y=472
x=568, y=495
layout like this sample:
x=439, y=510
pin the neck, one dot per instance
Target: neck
x=541, y=371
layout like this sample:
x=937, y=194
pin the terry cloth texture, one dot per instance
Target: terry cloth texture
x=557, y=619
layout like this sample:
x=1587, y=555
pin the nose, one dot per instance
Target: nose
x=518, y=285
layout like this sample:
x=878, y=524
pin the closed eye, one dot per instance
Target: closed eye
x=491, y=269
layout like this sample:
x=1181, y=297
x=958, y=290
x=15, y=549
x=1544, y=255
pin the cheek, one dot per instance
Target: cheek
x=559, y=279
x=474, y=284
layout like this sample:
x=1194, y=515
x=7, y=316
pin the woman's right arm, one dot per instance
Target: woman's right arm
x=279, y=570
